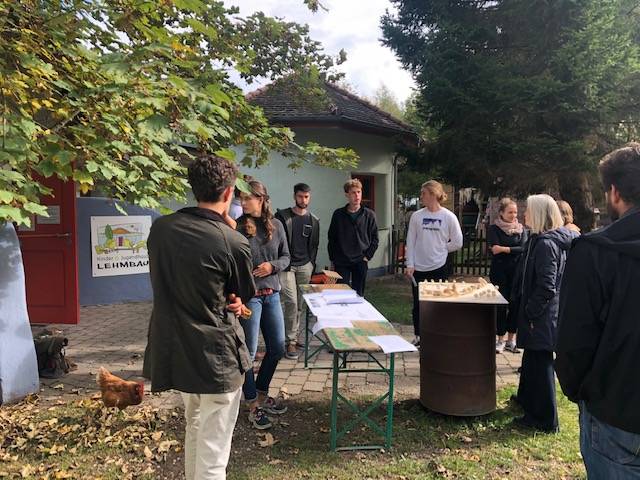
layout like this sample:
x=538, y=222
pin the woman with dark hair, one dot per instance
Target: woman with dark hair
x=505, y=238
x=270, y=255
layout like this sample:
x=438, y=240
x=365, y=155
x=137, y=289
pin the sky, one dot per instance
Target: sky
x=350, y=24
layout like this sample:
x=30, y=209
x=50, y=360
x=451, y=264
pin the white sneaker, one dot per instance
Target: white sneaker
x=500, y=346
x=416, y=341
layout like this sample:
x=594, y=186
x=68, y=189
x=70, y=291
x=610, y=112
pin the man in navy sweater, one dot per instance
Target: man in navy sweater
x=353, y=238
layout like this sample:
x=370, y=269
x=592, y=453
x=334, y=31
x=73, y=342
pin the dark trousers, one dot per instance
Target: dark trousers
x=506, y=318
x=354, y=274
x=441, y=273
x=537, y=389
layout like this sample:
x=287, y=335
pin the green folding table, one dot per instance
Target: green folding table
x=345, y=343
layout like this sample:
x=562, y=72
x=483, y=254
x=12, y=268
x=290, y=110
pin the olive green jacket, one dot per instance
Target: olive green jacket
x=195, y=345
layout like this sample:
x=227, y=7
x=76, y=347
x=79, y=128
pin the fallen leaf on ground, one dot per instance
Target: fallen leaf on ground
x=268, y=441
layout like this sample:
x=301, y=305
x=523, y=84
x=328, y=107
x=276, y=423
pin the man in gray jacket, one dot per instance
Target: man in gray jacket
x=197, y=264
x=303, y=237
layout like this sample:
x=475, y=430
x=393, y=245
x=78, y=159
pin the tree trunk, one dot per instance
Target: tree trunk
x=576, y=190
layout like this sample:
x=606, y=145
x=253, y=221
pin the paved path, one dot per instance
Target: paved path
x=114, y=336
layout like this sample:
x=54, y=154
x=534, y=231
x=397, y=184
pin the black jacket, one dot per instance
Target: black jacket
x=503, y=265
x=598, y=353
x=537, y=287
x=286, y=217
x=195, y=345
x=350, y=240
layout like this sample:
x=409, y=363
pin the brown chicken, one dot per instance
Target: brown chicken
x=117, y=392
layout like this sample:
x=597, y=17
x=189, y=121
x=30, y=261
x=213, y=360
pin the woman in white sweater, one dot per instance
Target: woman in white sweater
x=433, y=233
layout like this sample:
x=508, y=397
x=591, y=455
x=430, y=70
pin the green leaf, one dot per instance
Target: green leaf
x=82, y=177
x=226, y=153
x=6, y=197
x=242, y=185
x=46, y=168
x=64, y=157
x=119, y=208
x=195, y=6
x=36, y=208
x=13, y=213
x=92, y=166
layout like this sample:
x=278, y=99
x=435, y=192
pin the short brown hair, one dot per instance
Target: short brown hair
x=353, y=183
x=566, y=211
x=209, y=176
x=436, y=189
x=622, y=169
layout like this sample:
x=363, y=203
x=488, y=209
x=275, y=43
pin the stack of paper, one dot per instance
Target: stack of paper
x=342, y=297
x=393, y=344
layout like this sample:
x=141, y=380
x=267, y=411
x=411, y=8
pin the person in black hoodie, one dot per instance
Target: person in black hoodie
x=353, y=238
x=506, y=238
x=598, y=351
x=536, y=298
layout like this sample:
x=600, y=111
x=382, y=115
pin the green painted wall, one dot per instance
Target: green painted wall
x=376, y=158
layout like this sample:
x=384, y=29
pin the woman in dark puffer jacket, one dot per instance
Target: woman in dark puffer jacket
x=536, y=297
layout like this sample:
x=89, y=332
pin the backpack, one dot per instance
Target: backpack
x=52, y=362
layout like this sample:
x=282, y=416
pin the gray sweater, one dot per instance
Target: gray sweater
x=275, y=251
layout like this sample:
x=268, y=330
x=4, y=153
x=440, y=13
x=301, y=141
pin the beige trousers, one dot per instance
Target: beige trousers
x=211, y=419
x=291, y=299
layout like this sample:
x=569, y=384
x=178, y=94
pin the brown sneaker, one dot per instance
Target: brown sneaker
x=292, y=352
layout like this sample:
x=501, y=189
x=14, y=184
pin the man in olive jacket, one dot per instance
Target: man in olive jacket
x=196, y=344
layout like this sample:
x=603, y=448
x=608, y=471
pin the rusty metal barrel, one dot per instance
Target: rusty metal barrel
x=458, y=358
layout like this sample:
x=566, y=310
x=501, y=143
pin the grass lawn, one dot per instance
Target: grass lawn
x=82, y=440
x=391, y=295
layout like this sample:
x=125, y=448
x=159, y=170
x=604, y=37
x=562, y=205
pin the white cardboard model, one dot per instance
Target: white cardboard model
x=479, y=291
x=18, y=364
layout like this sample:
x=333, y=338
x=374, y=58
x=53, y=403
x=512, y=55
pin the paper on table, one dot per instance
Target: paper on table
x=353, y=311
x=393, y=344
x=328, y=293
x=333, y=299
x=323, y=323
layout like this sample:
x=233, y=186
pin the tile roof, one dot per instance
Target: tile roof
x=343, y=109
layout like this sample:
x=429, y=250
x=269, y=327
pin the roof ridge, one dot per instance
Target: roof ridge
x=368, y=104
x=257, y=92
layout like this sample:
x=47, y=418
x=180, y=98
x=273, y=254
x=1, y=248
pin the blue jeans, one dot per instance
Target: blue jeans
x=266, y=316
x=608, y=452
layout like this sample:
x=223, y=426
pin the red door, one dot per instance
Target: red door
x=49, y=256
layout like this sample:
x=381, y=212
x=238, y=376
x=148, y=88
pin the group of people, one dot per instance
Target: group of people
x=572, y=302
x=222, y=273
x=218, y=281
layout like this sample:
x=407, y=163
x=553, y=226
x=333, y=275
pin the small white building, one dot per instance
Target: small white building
x=346, y=121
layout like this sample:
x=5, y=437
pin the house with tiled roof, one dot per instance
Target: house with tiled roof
x=342, y=120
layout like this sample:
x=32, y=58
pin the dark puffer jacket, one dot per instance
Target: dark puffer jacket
x=536, y=291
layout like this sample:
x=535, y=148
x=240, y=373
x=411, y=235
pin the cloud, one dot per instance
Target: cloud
x=350, y=24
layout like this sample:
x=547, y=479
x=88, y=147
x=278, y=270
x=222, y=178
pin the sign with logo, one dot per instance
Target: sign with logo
x=119, y=245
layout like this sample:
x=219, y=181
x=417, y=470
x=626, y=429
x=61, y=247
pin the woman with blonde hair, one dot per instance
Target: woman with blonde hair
x=270, y=255
x=506, y=239
x=567, y=216
x=433, y=233
x=536, y=298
